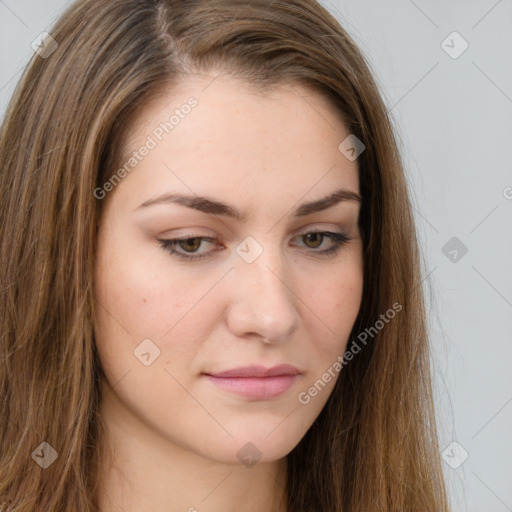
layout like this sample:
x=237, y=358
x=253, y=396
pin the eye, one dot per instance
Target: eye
x=314, y=239
x=187, y=247
x=189, y=244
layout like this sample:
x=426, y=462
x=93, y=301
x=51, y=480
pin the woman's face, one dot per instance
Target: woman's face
x=253, y=291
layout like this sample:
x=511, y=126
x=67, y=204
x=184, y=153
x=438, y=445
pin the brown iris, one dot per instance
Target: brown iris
x=312, y=237
x=191, y=244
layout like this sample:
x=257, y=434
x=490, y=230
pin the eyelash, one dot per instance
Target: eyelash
x=339, y=239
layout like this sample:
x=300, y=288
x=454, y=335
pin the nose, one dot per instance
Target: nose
x=263, y=304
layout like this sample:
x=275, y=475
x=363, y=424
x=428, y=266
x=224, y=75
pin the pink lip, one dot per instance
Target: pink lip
x=256, y=382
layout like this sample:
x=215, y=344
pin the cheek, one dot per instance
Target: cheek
x=338, y=303
x=142, y=297
x=336, y=307
x=134, y=287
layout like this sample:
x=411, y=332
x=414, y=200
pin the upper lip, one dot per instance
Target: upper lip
x=257, y=371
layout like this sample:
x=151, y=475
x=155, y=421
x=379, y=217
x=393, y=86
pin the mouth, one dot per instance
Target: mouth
x=256, y=382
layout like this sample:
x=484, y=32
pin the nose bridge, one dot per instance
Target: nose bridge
x=263, y=303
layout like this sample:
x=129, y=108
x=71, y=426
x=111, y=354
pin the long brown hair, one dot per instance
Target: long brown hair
x=374, y=445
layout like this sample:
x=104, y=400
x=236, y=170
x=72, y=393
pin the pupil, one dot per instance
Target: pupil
x=313, y=235
x=189, y=245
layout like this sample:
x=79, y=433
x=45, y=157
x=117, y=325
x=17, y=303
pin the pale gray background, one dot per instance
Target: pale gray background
x=454, y=120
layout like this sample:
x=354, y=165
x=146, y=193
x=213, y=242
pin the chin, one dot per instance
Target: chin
x=253, y=446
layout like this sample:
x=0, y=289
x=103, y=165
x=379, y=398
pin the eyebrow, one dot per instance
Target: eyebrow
x=211, y=206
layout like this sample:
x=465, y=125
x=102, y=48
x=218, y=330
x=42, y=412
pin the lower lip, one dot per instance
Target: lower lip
x=258, y=388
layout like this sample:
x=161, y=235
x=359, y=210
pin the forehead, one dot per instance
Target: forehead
x=237, y=107
x=285, y=139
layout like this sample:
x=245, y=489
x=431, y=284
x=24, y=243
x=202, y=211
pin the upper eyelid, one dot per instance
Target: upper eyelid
x=208, y=238
x=329, y=227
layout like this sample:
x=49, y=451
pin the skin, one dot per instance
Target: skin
x=176, y=435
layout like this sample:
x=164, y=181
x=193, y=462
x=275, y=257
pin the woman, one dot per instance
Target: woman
x=211, y=292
